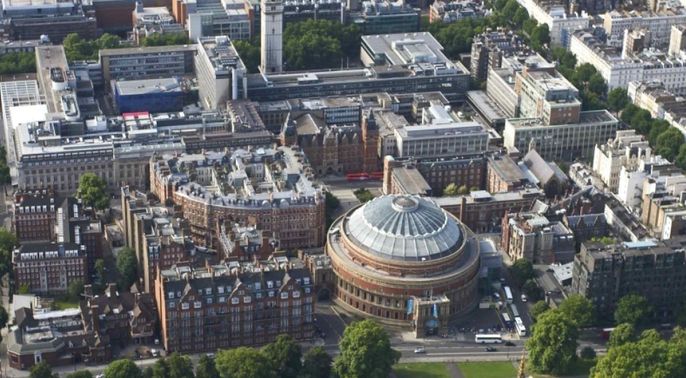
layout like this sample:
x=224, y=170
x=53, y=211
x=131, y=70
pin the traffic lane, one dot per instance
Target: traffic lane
x=330, y=324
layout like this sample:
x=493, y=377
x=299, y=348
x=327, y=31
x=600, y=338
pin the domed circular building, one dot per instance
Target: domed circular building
x=405, y=261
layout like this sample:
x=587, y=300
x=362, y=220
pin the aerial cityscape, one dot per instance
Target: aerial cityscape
x=349, y=189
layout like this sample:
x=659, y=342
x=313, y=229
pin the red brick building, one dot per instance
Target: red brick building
x=205, y=309
x=404, y=261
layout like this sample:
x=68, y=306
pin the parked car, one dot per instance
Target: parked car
x=419, y=350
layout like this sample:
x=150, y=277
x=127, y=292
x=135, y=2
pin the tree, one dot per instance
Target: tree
x=167, y=39
x=597, y=85
x=522, y=270
x=540, y=37
x=520, y=16
x=24, y=289
x=332, y=202
x=107, y=41
x=451, y=190
x=633, y=309
x=316, y=364
x=123, y=369
x=80, y=374
x=75, y=289
x=127, y=266
x=669, y=142
x=650, y=356
x=284, y=354
x=628, y=113
x=529, y=25
x=552, y=346
x=621, y=335
x=314, y=44
x=243, y=362
x=579, y=309
x=365, y=351
x=363, y=195
x=249, y=53
x=532, y=290
x=4, y=317
x=100, y=274
x=206, y=368
x=160, y=369
x=680, y=160
x=511, y=8
x=564, y=57
x=7, y=240
x=93, y=191
x=617, y=99
x=587, y=353
x=42, y=370
x=174, y=366
x=14, y=63
x=538, y=309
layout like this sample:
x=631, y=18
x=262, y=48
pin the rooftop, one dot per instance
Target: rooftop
x=147, y=86
x=404, y=228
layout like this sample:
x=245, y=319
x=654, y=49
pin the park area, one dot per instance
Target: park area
x=455, y=370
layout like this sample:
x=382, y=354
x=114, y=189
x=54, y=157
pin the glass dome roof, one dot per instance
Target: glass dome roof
x=404, y=228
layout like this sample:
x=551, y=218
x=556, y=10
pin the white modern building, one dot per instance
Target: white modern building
x=565, y=142
x=624, y=151
x=220, y=73
x=441, y=140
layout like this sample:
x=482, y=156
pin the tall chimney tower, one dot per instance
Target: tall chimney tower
x=271, y=36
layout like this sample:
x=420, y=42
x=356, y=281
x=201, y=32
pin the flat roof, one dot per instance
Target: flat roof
x=406, y=48
x=148, y=86
x=147, y=50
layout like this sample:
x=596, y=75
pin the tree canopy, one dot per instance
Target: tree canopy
x=579, y=309
x=206, y=368
x=244, y=362
x=522, y=270
x=77, y=48
x=80, y=374
x=174, y=366
x=650, y=356
x=93, y=191
x=552, y=346
x=365, y=351
x=316, y=364
x=127, y=266
x=633, y=309
x=167, y=39
x=617, y=99
x=42, y=370
x=284, y=354
x=123, y=368
x=538, y=309
x=8, y=241
x=622, y=334
x=314, y=44
x=249, y=53
x=15, y=63
x=532, y=290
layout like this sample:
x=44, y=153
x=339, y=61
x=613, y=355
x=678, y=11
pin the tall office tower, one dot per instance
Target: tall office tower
x=271, y=36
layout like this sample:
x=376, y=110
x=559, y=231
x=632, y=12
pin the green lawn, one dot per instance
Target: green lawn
x=487, y=369
x=422, y=370
x=62, y=304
